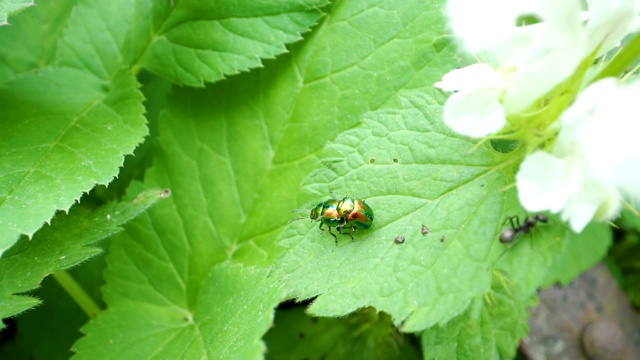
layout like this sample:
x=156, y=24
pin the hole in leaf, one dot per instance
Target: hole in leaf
x=528, y=19
x=504, y=146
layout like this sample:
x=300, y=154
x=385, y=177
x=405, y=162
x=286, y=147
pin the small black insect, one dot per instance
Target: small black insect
x=399, y=239
x=512, y=233
x=425, y=230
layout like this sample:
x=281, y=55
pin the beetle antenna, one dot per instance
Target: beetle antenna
x=300, y=210
x=300, y=218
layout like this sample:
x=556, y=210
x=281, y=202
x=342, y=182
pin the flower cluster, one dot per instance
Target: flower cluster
x=538, y=87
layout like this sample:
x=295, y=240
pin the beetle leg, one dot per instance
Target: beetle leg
x=332, y=234
x=339, y=228
x=354, y=230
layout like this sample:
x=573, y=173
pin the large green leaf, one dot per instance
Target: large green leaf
x=63, y=131
x=234, y=155
x=65, y=243
x=192, y=41
x=413, y=171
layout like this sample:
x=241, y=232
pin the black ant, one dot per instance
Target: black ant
x=510, y=234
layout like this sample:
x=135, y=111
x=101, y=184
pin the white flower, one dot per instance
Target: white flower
x=482, y=89
x=595, y=162
x=531, y=60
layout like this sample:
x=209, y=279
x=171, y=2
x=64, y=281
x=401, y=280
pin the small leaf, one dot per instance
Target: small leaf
x=64, y=132
x=95, y=36
x=61, y=245
x=492, y=326
x=580, y=253
x=49, y=331
x=193, y=41
x=31, y=41
x=10, y=7
x=629, y=219
x=364, y=334
x=224, y=319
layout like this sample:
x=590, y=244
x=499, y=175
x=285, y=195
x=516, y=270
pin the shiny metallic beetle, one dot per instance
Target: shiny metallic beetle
x=326, y=213
x=356, y=213
x=346, y=213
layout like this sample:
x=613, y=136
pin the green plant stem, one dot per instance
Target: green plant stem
x=77, y=293
x=622, y=61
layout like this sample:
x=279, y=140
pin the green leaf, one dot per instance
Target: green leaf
x=95, y=37
x=9, y=7
x=65, y=243
x=364, y=334
x=412, y=170
x=624, y=256
x=237, y=151
x=192, y=41
x=64, y=132
x=629, y=220
x=527, y=260
x=232, y=156
x=32, y=39
x=224, y=318
x=580, y=253
x=49, y=331
x=490, y=328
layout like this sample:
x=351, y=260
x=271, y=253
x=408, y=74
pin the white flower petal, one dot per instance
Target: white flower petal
x=492, y=25
x=534, y=58
x=544, y=182
x=610, y=21
x=608, y=137
x=475, y=113
x=584, y=105
x=476, y=76
x=547, y=59
x=579, y=212
x=482, y=25
x=538, y=77
x=611, y=206
x=593, y=199
x=574, y=118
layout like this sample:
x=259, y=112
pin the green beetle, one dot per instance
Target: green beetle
x=348, y=212
x=355, y=214
x=326, y=213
